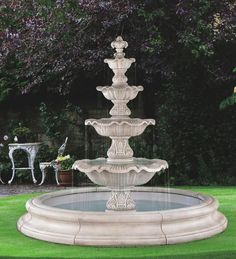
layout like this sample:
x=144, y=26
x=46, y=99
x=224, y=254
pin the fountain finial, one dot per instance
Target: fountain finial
x=119, y=64
x=119, y=44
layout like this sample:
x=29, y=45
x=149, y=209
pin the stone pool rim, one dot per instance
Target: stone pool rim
x=133, y=228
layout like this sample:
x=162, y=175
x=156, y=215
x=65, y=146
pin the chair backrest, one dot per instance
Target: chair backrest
x=62, y=148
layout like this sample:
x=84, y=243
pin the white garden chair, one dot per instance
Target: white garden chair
x=44, y=166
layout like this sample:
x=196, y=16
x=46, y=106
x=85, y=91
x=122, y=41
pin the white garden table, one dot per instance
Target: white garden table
x=31, y=150
x=1, y=181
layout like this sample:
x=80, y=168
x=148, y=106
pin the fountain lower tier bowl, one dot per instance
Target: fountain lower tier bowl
x=163, y=216
x=119, y=175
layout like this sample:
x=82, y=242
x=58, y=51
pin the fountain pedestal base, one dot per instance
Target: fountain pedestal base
x=120, y=201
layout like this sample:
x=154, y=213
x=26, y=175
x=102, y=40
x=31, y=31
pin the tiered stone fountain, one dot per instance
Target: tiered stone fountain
x=120, y=172
x=121, y=214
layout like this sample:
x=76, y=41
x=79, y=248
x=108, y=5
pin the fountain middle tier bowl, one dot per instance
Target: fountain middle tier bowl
x=129, y=127
x=163, y=216
x=118, y=175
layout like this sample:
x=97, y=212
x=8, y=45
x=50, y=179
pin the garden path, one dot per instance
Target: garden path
x=7, y=190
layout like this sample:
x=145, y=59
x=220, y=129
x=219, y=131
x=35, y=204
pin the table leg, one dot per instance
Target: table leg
x=56, y=175
x=13, y=166
x=42, y=169
x=1, y=179
x=31, y=157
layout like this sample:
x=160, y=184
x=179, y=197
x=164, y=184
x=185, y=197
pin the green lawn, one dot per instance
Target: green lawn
x=15, y=245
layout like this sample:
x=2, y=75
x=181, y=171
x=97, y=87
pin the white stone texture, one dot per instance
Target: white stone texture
x=120, y=175
x=121, y=228
x=119, y=171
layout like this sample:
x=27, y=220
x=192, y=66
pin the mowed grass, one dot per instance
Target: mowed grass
x=15, y=245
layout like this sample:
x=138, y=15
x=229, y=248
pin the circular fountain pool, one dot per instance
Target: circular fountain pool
x=145, y=201
x=162, y=216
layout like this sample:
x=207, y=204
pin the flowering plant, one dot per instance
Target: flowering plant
x=59, y=159
x=63, y=162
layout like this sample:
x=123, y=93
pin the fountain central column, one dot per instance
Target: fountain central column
x=120, y=150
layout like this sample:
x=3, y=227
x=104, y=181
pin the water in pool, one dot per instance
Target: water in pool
x=141, y=205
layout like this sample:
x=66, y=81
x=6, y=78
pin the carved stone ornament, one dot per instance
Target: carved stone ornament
x=120, y=201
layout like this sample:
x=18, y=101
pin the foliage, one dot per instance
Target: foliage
x=34, y=33
x=191, y=46
x=5, y=165
x=24, y=134
x=56, y=124
x=45, y=153
x=67, y=164
x=55, y=41
x=51, y=40
x=228, y=101
x=199, y=149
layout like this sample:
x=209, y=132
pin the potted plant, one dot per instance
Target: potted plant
x=64, y=164
x=23, y=134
